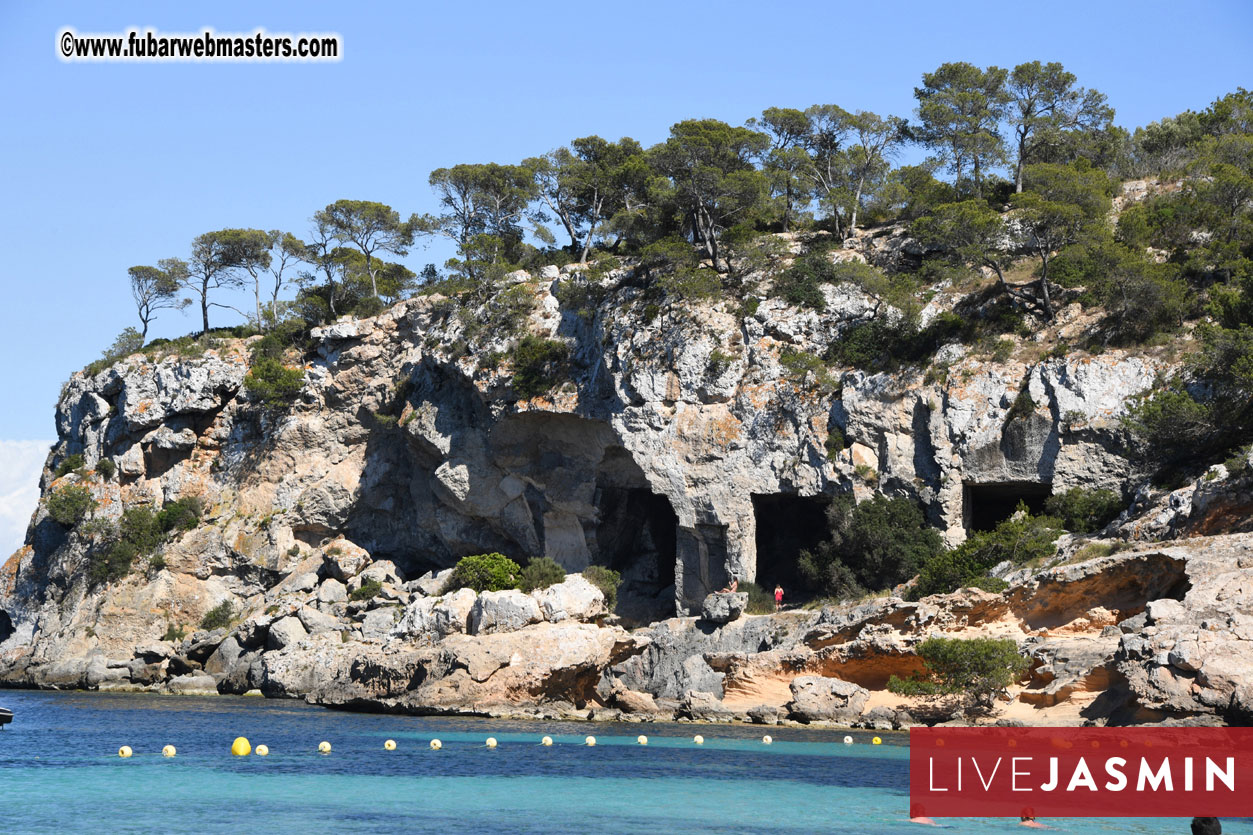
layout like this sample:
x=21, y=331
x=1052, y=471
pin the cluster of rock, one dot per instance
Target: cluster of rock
x=676, y=436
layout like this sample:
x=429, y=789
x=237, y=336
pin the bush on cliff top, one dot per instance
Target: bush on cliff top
x=605, y=579
x=1020, y=539
x=484, y=572
x=1085, y=511
x=540, y=573
x=273, y=383
x=976, y=668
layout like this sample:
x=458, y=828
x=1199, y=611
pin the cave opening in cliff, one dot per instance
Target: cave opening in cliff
x=788, y=524
x=984, y=506
x=6, y=626
x=635, y=535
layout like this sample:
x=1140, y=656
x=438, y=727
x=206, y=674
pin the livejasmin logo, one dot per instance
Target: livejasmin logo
x=1081, y=772
x=1081, y=777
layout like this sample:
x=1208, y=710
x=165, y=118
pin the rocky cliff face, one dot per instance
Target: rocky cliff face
x=680, y=445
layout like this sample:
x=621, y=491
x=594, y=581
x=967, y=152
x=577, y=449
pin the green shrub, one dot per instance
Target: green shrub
x=274, y=384
x=111, y=563
x=1020, y=539
x=106, y=468
x=368, y=590
x=540, y=573
x=69, y=465
x=760, y=601
x=538, y=365
x=835, y=442
x=68, y=505
x=485, y=572
x=1238, y=464
x=876, y=544
x=1023, y=407
x=800, y=364
x=1084, y=511
x=182, y=514
x=719, y=362
x=368, y=306
x=1002, y=350
x=974, y=668
x=173, y=633
x=674, y=266
x=801, y=283
x=127, y=342
x=139, y=532
x=605, y=579
x=219, y=617
x=140, y=527
x=687, y=284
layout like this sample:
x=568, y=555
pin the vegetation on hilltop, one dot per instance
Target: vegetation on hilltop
x=1024, y=185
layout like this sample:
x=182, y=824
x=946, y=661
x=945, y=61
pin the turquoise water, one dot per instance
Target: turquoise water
x=59, y=772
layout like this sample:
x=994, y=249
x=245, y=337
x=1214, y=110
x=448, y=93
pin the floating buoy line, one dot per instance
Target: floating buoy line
x=241, y=747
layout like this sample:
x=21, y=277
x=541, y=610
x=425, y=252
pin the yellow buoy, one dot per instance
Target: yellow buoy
x=876, y=741
x=168, y=751
x=641, y=739
x=591, y=741
x=241, y=747
x=767, y=739
x=124, y=751
x=436, y=745
x=324, y=747
x=389, y=745
x=262, y=751
x=698, y=739
x=546, y=741
x=491, y=742
x=848, y=740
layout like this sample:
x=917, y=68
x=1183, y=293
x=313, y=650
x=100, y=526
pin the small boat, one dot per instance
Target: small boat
x=6, y=716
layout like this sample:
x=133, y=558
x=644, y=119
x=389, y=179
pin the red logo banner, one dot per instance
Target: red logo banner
x=1081, y=772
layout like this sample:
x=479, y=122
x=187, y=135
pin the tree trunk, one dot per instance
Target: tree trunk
x=374, y=287
x=852, y=225
x=597, y=203
x=256, y=292
x=204, y=307
x=1044, y=287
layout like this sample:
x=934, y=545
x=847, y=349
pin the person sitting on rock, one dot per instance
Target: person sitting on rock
x=731, y=587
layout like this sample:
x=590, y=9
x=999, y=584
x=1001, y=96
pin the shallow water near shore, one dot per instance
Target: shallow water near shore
x=59, y=772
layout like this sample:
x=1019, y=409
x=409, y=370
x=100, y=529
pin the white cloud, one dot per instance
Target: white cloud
x=20, y=465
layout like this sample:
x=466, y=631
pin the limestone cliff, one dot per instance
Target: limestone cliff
x=678, y=440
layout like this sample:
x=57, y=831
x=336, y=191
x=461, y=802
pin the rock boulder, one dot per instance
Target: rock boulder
x=821, y=699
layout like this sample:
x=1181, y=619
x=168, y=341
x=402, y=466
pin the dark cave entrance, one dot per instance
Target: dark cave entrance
x=636, y=535
x=6, y=626
x=984, y=506
x=786, y=525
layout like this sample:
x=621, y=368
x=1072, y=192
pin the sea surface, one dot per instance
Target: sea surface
x=59, y=773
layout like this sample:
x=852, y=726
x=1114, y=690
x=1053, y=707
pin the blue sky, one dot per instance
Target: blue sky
x=109, y=165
